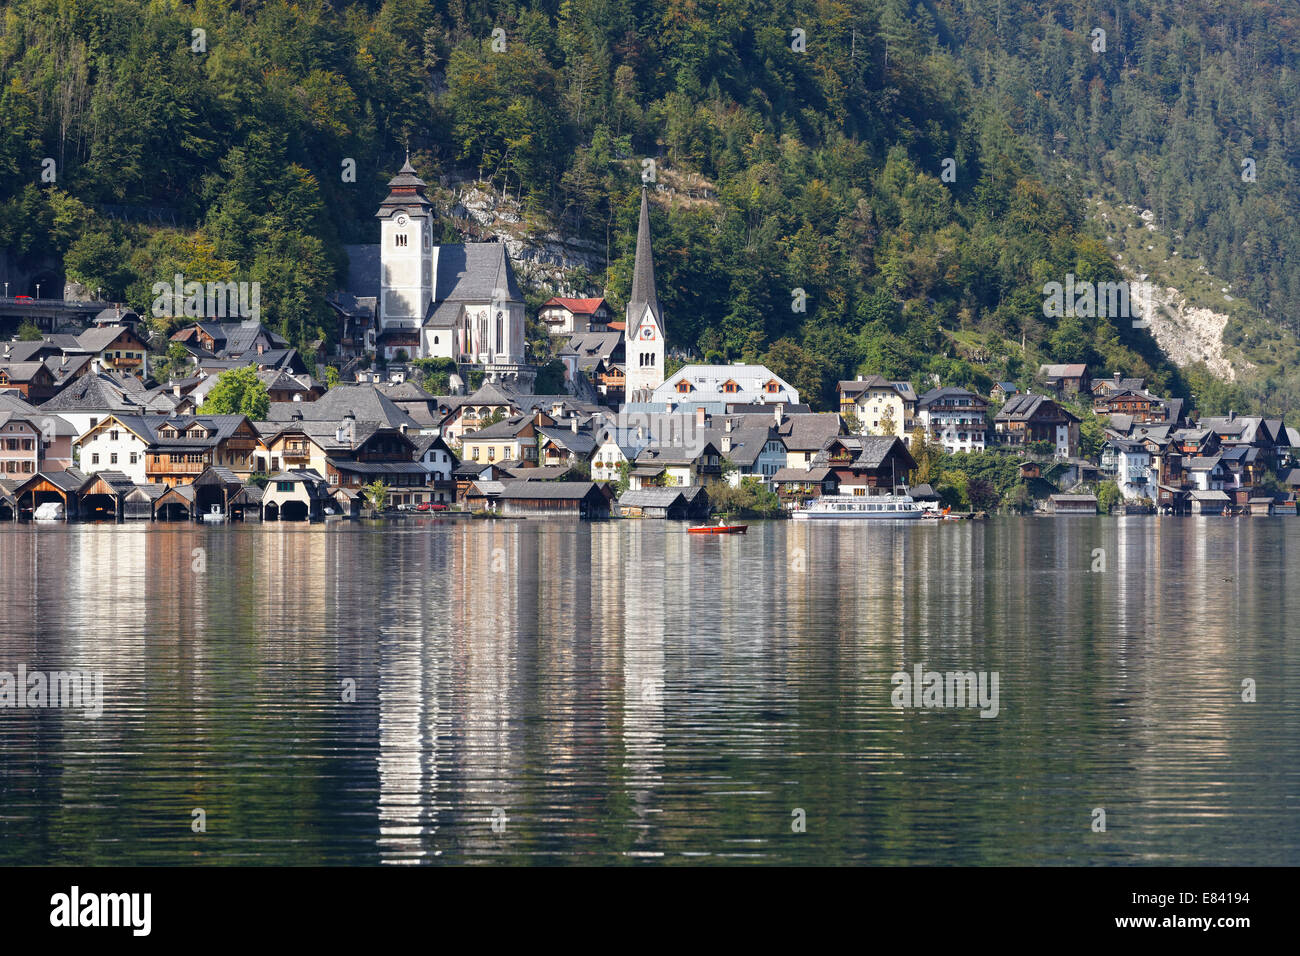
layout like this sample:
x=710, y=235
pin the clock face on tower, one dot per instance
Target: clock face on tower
x=401, y=220
x=647, y=333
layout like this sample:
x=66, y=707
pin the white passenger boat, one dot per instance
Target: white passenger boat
x=859, y=508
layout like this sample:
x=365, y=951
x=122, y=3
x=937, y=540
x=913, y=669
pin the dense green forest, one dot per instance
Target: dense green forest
x=830, y=243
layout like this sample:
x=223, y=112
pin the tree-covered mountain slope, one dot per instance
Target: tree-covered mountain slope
x=889, y=185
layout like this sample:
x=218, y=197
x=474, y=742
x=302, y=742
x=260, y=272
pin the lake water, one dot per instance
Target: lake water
x=555, y=691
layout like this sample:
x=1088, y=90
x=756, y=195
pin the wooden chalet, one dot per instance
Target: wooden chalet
x=51, y=486
x=583, y=499
x=175, y=504
x=104, y=495
x=214, y=488
x=866, y=464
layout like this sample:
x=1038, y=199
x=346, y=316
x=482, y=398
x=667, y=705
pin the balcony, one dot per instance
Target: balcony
x=168, y=467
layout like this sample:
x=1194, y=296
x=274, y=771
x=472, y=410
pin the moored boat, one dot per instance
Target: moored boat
x=48, y=511
x=860, y=508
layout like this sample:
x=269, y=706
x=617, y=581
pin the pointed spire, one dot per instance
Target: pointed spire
x=643, y=272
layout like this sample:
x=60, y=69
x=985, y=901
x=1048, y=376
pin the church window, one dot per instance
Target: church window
x=401, y=239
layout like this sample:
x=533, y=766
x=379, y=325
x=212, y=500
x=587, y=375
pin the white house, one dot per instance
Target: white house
x=716, y=387
x=955, y=418
x=110, y=445
x=1133, y=472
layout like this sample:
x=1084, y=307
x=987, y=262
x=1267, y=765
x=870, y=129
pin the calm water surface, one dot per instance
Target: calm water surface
x=620, y=692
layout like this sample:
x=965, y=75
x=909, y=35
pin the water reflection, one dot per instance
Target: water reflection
x=549, y=691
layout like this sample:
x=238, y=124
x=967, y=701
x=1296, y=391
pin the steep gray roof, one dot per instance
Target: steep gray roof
x=219, y=427
x=366, y=402
x=1025, y=406
x=101, y=392
x=547, y=489
x=871, y=450
x=99, y=338
x=469, y=273
x=650, y=498
x=583, y=443
x=644, y=295
x=363, y=271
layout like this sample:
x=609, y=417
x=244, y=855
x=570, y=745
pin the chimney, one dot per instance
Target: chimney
x=780, y=415
x=726, y=424
x=726, y=440
x=1232, y=416
x=573, y=423
x=859, y=378
x=699, y=416
x=1116, y=374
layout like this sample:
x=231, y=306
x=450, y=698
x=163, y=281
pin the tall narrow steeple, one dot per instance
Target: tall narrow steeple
x=643, y=274
x=644, y=333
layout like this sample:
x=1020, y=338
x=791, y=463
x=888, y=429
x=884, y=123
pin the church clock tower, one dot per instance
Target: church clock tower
x=408, y=261
x=644, y=334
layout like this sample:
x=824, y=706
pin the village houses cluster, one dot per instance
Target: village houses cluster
x=85, y=426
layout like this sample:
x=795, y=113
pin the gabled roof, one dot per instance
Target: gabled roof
x=471, y=272
x=576, y=306
x=507, y=428
x=103, y=392
x=650, y=498
x=946, y=393
x=1062, y=371
x=582, y=443
x=547, y=490
x=793, y=475
x=1024, y=407
x=746, y=443
x=875, y=382
x=101, y=337
x=366, y=403
x=870, y=451
x=708, y=382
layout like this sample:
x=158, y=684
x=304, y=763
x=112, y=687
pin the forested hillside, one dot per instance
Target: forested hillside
x=824, y=162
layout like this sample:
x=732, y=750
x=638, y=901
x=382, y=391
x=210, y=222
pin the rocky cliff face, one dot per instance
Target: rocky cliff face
x=1185, y=332
x=543, y=258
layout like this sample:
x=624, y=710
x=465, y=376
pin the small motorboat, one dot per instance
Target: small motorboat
x=214, y=514
x=720, y=528
x=48, y=511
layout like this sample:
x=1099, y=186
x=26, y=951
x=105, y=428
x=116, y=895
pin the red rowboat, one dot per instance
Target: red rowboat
x=718, y=529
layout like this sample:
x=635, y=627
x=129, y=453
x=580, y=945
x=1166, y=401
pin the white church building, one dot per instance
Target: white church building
x=437, y=301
